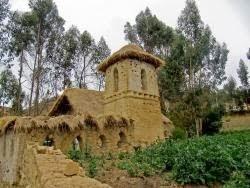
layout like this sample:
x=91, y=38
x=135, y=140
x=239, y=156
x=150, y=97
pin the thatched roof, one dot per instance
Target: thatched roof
x=130, y=51
x=64, y=123
x=6, y=122
x=78, y=101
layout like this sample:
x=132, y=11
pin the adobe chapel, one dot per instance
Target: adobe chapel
x=123, y=117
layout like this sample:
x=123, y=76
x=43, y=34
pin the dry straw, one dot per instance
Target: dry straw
x=130, y=51
x=78, y=101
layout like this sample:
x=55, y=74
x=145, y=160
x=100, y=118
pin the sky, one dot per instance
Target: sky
x=229, y=20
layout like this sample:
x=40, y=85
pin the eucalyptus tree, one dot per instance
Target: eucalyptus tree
x=230, y=87
x=243, y=74
x=47, y=19
x=8, y=87
x=101, y=52
x=82, y=69
x=4, y=13
x=195, y=61
x=70, y=55
x=21, y=41
x=204, y=59
x=150, y=33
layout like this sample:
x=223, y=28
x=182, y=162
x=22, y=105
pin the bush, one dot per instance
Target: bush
x=92, y=167
x=203, y=160
x=86, y=159
x=179, y=133
x=212, y=122
x=238, y=180
x=75, y=155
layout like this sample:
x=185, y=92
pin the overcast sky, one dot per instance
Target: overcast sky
x=228, y=19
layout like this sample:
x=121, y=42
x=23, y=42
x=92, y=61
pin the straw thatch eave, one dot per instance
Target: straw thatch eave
x=64, y=123
x=6, y=122
x=130, y=51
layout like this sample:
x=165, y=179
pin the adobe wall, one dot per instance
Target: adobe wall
x=43, y=167
x=132, y=101
x=90, y=138
x=147, y=128
x=130, y=78
x=11, y=147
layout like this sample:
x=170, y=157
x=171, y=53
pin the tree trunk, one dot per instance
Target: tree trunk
x=83, y=75
x=38, y=75
x=190, y=74
x=36, y=71
x=100, y=85
x=197, y=122
x=19, y=93
x=32, y=84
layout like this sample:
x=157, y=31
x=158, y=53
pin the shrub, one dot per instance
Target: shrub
x=212, y=122
x=179, y=133
x=92, y=167
x=86, y=159
x=238, y=180
x=203, y=160
x=75, y=155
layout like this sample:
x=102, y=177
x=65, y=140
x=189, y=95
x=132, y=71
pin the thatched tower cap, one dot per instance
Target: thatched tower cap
x=130, y=51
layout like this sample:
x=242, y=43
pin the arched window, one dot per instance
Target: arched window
x=77, y=143
x=116, y=80
x=49, y=141
x=123, y=139
x=143, y=80
x=102, y=141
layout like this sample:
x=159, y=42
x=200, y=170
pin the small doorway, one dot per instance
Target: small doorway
x=49, y=141
x=77, y=143
x=123, y=140
x=102, y=142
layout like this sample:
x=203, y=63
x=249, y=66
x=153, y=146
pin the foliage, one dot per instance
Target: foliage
x=150, y=33
x=70, y=48
x=86, y=159
x=213, y=120
x=4, y=13
x=21, y=38
x=238, y=179
x=195, y=62
x=230, y=87
x=8, y=87
x=203, y=160
x=75, y=155
x=179, y=133
x=101, y=52
x=243, y=73
x=48, y=58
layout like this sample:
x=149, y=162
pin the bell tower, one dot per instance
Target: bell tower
x=131, y=91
